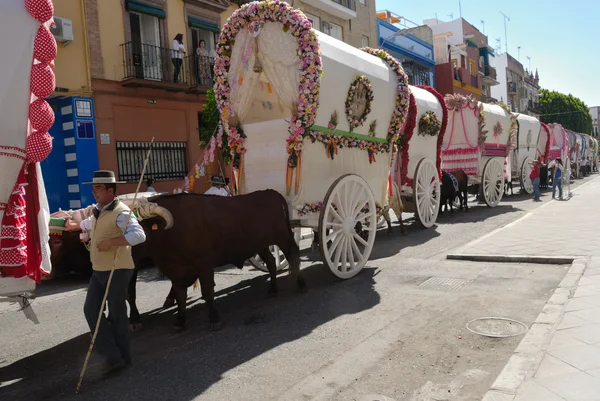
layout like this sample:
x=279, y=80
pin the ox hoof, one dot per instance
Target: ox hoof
x=135, y=327
x=215, y=326
x=169, y=302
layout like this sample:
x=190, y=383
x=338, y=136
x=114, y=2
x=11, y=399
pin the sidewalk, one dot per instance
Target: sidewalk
x=559, y=357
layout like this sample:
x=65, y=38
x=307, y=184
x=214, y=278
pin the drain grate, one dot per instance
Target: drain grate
x=445, y=284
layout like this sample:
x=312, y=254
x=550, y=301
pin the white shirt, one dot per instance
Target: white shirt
x=176, y=46
x=134, y=234
x=217, y=191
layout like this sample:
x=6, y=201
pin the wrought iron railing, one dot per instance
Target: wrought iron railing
x=155, y=63
x=168, y=160
x=351, y=4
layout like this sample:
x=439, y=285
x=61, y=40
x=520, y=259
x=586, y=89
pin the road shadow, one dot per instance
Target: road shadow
x=475, y=214
x=182, y=366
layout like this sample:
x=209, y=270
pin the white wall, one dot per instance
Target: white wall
x=500, y=63
x=455, y=27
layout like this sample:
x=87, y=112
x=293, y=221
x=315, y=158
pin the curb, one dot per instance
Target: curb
x=528, y=356
x=551, y=260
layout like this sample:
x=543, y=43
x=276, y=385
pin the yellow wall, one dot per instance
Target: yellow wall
x=227, y=13
x=175, y=21
x=112, y=35
x=71, y=63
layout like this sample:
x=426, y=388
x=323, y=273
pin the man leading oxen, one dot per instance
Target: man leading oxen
x=188, y=235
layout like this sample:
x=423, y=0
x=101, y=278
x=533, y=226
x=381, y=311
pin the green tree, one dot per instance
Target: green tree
x=567, y=110
x=208, y=128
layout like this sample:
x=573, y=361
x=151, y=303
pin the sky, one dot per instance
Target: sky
x=561, y=37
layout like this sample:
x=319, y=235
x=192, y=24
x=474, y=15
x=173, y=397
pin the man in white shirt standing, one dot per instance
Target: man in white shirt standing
x=113, y=234
x=218, y=187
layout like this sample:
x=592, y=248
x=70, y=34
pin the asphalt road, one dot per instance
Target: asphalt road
x=384, y=335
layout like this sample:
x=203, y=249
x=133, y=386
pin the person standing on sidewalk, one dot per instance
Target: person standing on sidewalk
x=112, y=237
x=557, y=178
x=535, y=179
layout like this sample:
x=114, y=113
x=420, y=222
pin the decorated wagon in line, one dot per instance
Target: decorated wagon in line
x=594, y=153
x=314, y=119
x=26, y=78
x=560, y=147
x=479, y=140
x=576, y=152
x=532, y=140
x=417, y=163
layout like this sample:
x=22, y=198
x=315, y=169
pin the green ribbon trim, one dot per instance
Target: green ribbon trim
x=367, y=138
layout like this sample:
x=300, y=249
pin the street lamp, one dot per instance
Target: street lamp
x=400, y=32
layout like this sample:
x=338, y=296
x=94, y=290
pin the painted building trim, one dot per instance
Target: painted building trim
x=468, y=87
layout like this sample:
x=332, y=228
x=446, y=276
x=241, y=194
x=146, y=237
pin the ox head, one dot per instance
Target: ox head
x=153, y=217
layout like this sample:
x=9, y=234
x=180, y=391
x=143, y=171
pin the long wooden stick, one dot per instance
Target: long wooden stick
x=89, y=353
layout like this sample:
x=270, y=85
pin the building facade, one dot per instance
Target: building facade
x=595, y=112
x=462, y=59
x=413, y=47
x=511, y=75
x=119, y=84
x=529, y=97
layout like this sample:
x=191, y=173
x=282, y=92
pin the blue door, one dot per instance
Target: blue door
x=54, y=169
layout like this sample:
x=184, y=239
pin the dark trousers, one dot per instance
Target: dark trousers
x=113, y=340
x=177, y=68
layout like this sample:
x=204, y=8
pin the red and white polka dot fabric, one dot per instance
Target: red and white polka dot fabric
x=41, y=10
x=41, y=115
x=42, y=81
x=44, y=45
x=38, y=146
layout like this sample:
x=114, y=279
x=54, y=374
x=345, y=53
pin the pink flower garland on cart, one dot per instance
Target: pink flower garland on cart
x=20, y=248
x=440, y=140
x=296, y=23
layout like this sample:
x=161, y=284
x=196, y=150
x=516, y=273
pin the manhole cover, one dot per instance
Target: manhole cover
x=497, y=327
x=444, y=283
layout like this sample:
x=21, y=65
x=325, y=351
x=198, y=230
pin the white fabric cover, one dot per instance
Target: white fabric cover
x=280, y=62
x=342, y=63
x=241, y=71
x=43, y=219
x=494, y=113
x=421, y=147
x=527, y=124
x=17, y=33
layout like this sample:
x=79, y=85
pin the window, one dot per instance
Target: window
x=365, y=41
x=314, y=20
x=363, y=2
x=145, y=42
x=167, y=160
x=472, y=67
x=333, y=30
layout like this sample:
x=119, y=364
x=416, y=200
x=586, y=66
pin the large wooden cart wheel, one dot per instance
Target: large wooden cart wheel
x=526, y=184
x=347, y=226
x=280, y=261
x=492, y=182
x=427, y=192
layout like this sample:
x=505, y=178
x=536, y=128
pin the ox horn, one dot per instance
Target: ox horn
x=166, y=215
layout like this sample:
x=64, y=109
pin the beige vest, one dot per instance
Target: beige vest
x=106, y=227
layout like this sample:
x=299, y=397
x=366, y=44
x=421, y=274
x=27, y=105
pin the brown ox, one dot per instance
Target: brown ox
x=198, y=233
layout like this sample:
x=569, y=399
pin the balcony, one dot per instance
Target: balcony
x=489, y=76
x=512, y=88
x=151, y=66
x=533, y=107
x=344, y=9
x=488, y=99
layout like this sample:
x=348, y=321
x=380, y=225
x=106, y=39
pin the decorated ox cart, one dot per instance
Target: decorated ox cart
x=560, y=147
x=417, y=163
x=314, y=119
x=532, y=139
x=26, y=78
x=479, y=141
x=594, y=153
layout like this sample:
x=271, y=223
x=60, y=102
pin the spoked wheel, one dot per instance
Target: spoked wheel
x=427, y=192
x=526, y=184
x=280, y=261
x=347, y=226
x=492, y=182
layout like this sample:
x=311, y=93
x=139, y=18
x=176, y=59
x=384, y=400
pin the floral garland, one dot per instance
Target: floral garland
x=309, y=208
x=429, y=124
x=357, y=121
x=504, y=106
x=333, y=142
x=402, y=93
x=295, y=22
x=511, y=143
x=443, y=128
